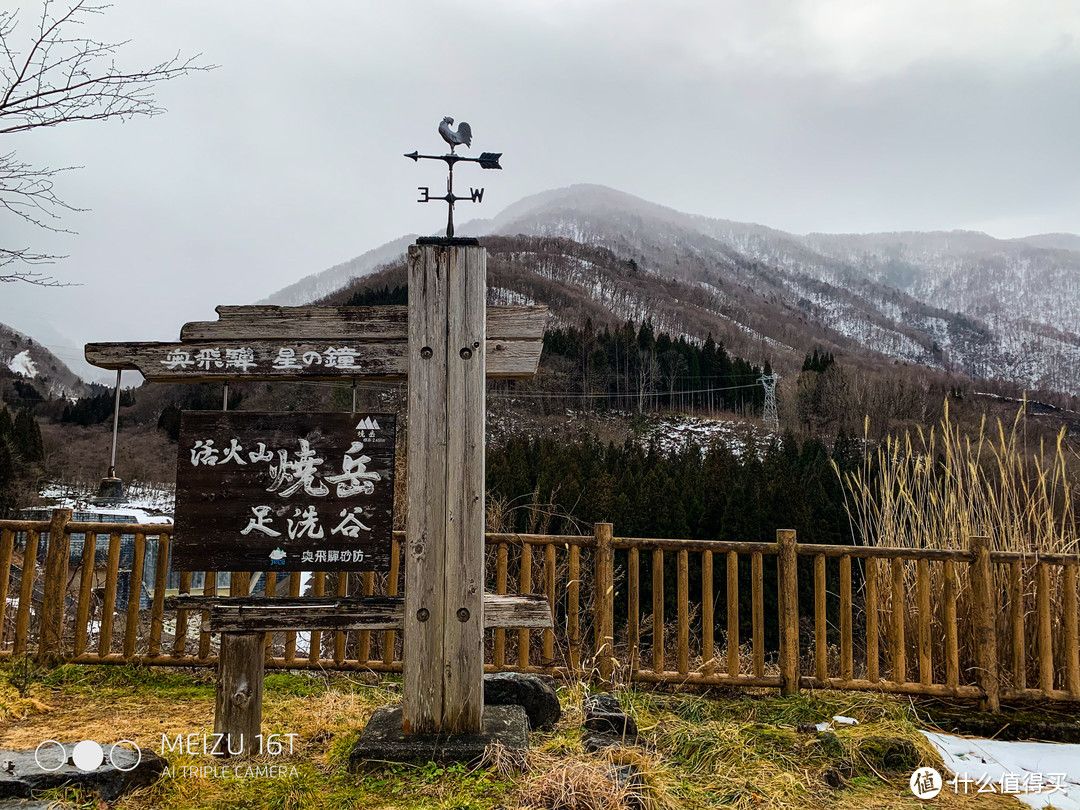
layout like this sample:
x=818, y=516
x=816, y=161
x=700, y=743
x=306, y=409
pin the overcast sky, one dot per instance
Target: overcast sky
x=805, y=115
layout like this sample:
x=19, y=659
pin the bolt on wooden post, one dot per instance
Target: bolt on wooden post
x=444, y=559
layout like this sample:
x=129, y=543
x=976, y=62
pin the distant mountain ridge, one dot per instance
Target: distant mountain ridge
x=958, y=300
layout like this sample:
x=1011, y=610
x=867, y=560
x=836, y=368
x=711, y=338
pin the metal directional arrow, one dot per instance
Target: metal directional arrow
x=487, y=160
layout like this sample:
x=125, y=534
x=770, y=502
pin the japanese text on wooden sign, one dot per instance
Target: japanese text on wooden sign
x=286, y=492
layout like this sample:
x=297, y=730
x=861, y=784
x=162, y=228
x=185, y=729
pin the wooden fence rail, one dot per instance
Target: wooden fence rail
x=972, y=622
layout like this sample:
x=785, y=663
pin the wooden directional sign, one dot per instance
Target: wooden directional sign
x=281, y=491
x=314, y=343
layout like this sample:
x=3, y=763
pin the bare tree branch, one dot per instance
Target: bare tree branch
x=56, y=79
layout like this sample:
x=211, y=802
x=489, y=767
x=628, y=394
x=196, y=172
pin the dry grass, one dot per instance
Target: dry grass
x=936, y=489
x=725, y=750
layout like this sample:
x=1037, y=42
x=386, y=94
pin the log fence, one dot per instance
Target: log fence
x=971, y=623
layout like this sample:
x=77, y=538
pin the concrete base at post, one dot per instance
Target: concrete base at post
x=382, y=740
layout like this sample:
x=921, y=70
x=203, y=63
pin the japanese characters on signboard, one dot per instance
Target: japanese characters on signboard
x=285, y=492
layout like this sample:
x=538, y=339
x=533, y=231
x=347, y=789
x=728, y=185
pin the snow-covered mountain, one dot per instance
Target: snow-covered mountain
x=958, y=300
x=22, y=358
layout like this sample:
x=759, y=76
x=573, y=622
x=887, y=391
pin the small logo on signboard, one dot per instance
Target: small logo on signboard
x=277, y=557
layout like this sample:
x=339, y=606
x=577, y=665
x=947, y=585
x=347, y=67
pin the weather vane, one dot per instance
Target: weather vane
x=459, y=137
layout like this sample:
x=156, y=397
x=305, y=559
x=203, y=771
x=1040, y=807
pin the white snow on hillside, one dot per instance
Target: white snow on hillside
x=22, y=364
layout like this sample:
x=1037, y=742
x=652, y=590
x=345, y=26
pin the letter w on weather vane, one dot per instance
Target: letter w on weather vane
x=462, y=136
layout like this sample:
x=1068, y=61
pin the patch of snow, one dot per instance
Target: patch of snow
x=1001, y=761
x=22, y=364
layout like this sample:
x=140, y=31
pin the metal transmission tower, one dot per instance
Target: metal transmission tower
x=771, y=417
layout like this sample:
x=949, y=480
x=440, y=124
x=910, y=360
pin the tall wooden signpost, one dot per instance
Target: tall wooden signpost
x=447, y=343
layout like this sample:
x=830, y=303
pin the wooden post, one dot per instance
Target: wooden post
x=683, y=591
x=391, y=590
x=708, y=664
x=757, y=577
x=821, y=670
x=897, y=644
x=847, y=663
x=787, y=561
x=952, y=646
x=444, y=559
x=549, y=591
x=732, y=613
x=983, y=616
x=56, y=568
x=1016, y=622
x=633, y=609
x=501, y=555
x=573, y=597
x=524, y=587
x=870, y=608
x=604, y=578
x=1046, y=644
x=658, y=610
x=26, y=592
x=7, y=547
x=926, y=669
x=1072, y=643
x=86, y=581
x=238, y=703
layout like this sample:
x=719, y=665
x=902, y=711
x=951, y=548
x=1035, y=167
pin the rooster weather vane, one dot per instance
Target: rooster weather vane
x=462, y=136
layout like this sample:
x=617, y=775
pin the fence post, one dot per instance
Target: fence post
x=787, y=561
x=985, y=634
x=604, y=588
x=55, y=586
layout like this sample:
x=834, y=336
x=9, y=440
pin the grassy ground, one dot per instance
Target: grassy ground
x=730, y=750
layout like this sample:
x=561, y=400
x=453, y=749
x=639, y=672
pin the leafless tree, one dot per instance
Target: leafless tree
x=49, y=77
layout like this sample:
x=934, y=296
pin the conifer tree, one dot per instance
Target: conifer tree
x=27, y=437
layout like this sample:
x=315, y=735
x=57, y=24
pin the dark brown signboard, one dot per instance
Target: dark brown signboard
x=284, y=491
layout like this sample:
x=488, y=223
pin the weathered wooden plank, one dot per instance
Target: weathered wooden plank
x=426, y=526
x=466, y=406
x=359, y=613
x=205, y=362
x=353, y=323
